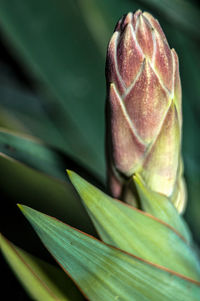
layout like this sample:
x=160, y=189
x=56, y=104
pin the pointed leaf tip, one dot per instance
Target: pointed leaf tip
x=161, y=207
x=20, y=206
x=123, y=227
x=75, y=179
x=41, y=280
x=70, y=173
x=108, y=266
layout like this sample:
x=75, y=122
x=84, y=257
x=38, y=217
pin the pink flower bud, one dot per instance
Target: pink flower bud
x=144, y=116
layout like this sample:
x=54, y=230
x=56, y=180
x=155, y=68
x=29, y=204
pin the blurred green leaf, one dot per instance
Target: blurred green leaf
x=107, y=273
x=84, y=27
x=191, y=125
x=96, y=22
x=33, y=153
x=41, y=280
x=160, y=207
x=182, y=12
x=51, y=50
x=10, y=122
x=22, y=183
x=135, y=232
x=23, y=111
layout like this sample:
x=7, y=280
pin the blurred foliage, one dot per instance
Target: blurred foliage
x=52, y=86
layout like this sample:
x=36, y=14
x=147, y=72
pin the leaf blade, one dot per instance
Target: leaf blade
x=160, y=207
x=56, y=197
x=135, y=232
x=56, y=61
x=41, y=280
x=112, y=273
x=32, y=152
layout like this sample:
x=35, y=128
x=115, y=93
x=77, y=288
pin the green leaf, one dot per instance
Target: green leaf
x=31, y=115
x=135, y=232
x=20, y=182
x=160, y=207
x=26, y=112
x=181, y=12
x=10, y=122
x=191, y=125
x=41, y=280
x=52, y=52
x=104, y=272
x=32, y=152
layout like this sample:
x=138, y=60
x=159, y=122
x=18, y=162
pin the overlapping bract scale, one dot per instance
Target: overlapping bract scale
x=129, y=56
x=132, y=149
x=161, y=164
x=146, y=103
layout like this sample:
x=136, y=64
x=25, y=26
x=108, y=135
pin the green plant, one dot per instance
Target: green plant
x=145, y=255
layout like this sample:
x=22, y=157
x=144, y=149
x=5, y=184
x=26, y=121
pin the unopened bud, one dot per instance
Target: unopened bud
x=144, y=117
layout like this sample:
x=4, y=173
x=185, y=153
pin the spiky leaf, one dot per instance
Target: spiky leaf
x=160, y=206
x=56, y=197
x=107, y=273
x=134, y=231
x=41, y=280
x=32, y=152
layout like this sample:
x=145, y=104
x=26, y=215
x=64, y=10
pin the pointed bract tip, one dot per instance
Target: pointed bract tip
x=128, y=18
x=148, y=16
x=138, y=12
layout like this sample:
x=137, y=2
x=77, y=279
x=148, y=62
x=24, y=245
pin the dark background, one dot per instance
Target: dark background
x=52, y=86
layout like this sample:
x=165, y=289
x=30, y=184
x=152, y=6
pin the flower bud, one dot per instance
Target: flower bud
x=144, y=116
